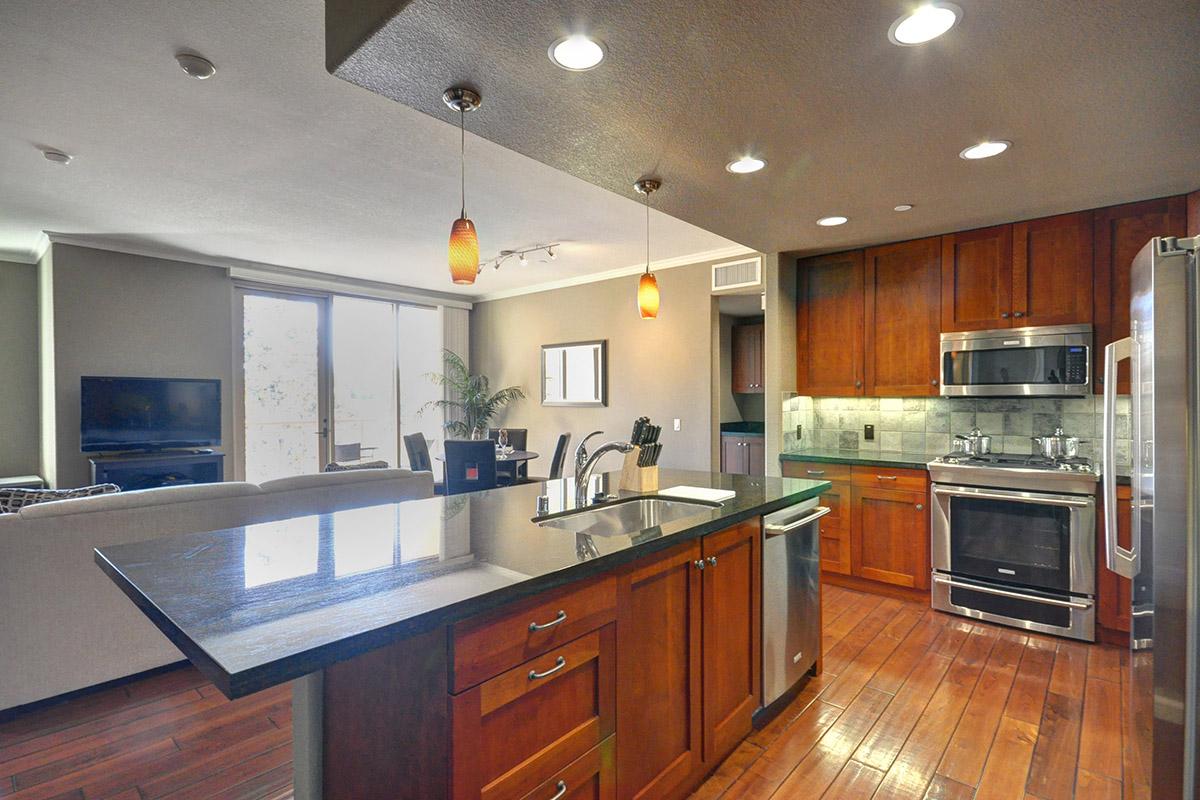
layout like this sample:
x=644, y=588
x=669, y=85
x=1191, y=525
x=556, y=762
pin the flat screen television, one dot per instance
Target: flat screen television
x=148, y=413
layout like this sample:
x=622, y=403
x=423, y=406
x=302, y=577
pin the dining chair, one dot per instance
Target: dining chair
x=470, y=465
x=418, y=458
x=518, y=438
x=560, y=456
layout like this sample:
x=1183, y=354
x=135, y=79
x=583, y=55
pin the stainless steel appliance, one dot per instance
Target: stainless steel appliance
x=1014, y=541
x=1047, y=361
x=791, y=633
x=1163, y=557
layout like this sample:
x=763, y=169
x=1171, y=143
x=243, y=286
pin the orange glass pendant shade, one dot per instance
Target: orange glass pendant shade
x=464, y=252
x=648, y=296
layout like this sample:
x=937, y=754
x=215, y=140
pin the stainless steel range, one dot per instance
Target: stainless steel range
x=1014, y=541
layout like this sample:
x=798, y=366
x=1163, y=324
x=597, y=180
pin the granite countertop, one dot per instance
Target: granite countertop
x=256, y=606
x=865, y=458
x=743, y=428
x=886, y=459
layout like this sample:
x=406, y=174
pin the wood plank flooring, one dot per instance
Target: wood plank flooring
x=912, y=704
x=918, y=704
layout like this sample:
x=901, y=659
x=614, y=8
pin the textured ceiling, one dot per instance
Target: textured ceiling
x=272, y=160
x=1100, y=97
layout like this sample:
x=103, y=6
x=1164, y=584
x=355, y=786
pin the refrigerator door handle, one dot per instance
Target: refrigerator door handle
x=1119, y=560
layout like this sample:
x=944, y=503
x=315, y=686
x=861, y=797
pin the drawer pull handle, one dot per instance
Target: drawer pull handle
x=562, y=791
x=559, y=619
x=885, y=477
x=559, y=663
x=815, y=471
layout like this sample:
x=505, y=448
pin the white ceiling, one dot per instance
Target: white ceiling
x=1100, y=97
x=273, y=160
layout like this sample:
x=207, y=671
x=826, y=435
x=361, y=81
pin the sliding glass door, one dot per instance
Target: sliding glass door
x=366, y=412
x=285, y=416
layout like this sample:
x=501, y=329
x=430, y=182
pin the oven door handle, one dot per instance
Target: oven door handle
x=1081, y=604
x=1050, y=500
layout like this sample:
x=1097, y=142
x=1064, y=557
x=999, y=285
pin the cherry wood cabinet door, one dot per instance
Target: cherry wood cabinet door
x=835, y=530
x=977, y=279
x=1052, y=270
x=1120, y=232
x=733, y=456
x=747, y=356
x=659, y=661
x=732, y=621
x=1193, y=214
x=891, y=537
x=829, y=325
x=1113, y=592
x=756, y=456
x=903, y=318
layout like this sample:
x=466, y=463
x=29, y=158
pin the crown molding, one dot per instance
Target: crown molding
x=27, y=256
x=272, y=274
x=595, y=277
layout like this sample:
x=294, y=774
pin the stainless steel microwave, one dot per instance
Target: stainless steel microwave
x=1047, y=361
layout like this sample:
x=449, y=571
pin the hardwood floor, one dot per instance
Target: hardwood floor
x=912, y=704
x=918, y=704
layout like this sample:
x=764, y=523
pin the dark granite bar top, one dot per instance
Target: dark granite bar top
x=256, y=606
x=744, y=428
x=864, y=458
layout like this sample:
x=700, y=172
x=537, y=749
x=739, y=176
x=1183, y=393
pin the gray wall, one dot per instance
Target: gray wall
x=120, y=314
x=659, y=368
x=19, y=441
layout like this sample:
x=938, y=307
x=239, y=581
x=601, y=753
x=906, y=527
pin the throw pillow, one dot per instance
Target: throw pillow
x=13, y=500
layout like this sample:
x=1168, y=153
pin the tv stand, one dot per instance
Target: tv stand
x=133, y=471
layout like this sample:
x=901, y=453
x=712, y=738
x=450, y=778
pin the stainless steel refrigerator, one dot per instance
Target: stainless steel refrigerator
x=1163, y=554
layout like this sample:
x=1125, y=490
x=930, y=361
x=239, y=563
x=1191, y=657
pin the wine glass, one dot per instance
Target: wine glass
x=502, y=440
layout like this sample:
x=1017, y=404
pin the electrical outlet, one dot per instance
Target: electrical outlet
x=676, y=424
x=799, y=431
x=869, y=433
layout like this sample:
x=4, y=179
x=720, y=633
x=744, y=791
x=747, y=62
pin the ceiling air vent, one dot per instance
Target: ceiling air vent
x=743, y=274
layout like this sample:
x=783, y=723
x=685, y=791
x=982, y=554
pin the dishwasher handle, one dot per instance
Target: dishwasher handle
x=773, y=529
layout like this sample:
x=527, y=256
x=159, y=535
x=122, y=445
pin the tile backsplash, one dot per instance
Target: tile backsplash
x=927, y=424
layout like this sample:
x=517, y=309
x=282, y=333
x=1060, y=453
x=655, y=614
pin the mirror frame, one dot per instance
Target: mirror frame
x=603, y=388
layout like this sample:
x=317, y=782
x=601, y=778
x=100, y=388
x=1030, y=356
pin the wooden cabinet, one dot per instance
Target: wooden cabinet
x=746, y=357
x=1120, y=232
x=659, y=658
x=743, y=454
x=1052, y=270
x=591, y=777
x=878, y=525
x=688, y=651
x=731, y=599
x=1113, y=592
x=902, y=318
x=977, y=279
x=829, y=325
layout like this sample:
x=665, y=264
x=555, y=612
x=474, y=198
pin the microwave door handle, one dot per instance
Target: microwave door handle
x=1119, y=560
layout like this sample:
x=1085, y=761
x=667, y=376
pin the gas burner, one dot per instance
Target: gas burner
x=1031, y=472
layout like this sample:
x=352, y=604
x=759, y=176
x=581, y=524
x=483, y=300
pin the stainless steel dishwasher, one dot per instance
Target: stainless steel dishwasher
x=791, y=634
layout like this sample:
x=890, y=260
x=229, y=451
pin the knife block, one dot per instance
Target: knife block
x=635, y=478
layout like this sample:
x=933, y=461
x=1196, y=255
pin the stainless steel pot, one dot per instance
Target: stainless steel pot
x=976, y=443
x=1057, y=446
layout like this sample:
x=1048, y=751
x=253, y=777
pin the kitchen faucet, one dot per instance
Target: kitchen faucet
x=585, y=464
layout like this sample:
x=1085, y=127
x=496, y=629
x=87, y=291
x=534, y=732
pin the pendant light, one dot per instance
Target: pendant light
x=464, y=244
x=647, y=294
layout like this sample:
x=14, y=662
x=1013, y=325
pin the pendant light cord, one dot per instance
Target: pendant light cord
x=647, y=233
x=462, y=156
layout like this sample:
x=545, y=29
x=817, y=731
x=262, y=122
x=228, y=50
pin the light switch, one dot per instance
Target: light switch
x=677, y=424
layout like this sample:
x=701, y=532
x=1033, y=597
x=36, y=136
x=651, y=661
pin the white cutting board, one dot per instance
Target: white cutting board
x=698, y=493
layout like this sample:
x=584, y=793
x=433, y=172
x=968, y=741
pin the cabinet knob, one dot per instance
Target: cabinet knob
x=933, y=382
x=858, y=384
x=712, y=561
x=1004, y=314
x=920, y=506
x=1018, y=313
x=699, y=563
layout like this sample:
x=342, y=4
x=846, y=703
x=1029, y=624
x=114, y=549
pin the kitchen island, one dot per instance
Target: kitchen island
x=453, y=647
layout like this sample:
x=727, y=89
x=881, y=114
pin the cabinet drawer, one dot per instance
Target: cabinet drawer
x=487, y=645
x=816, y=471
x=905, y=480
x=516, y=731
x=590, y=777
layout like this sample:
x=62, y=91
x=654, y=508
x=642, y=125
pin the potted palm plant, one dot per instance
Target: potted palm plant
x=471, y=403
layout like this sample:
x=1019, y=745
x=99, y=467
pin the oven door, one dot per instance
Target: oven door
x=1032, y=540
x=1025, y=362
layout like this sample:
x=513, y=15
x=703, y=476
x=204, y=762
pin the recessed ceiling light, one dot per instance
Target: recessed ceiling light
x=195, y=66
x=745, y=164
x=903, y=207
x=829, y=222
x=57, y=157
x=576, y=53
x=984, y=150
x=926, y=23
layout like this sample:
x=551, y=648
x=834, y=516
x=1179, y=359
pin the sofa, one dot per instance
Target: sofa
x=65, y=626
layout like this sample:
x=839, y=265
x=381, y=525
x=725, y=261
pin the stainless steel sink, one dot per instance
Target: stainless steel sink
x=624, y=517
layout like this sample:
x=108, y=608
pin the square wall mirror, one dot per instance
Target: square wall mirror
x=575, y=374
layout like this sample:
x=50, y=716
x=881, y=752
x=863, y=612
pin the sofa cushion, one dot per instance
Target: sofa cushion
x=327, y=492
x=334, y=466
x=142, y=498
x=13, y=499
